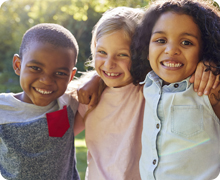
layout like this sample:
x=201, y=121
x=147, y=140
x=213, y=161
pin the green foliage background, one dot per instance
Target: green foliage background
x=79, y=16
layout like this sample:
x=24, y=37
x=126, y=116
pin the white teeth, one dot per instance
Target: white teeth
x=43, y=91
x=112, y=74
x=172, y=64
x=178, y=65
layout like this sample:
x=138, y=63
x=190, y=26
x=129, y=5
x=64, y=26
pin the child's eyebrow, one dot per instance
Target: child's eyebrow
x=183, y=34
x=100, y=46
x=41, y=64
x=189, y=34
x=64, y=69
x=36, y=62
x=158, y=32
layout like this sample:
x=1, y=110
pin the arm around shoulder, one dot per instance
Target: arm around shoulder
x=214, y=98
x=88, y=93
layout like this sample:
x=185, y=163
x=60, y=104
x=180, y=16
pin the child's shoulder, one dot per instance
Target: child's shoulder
x=69, y=99
x=214, y=98
x=3, y=95
x=9, y=108
x=6, y=98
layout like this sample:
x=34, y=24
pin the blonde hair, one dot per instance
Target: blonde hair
x=119, y=18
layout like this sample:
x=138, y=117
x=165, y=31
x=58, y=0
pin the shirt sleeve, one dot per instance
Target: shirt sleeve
x=82, y=109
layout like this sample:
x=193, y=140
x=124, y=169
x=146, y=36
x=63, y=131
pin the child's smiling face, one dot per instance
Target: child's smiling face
x=45, y=71
x=113, y=60
x=174, y=48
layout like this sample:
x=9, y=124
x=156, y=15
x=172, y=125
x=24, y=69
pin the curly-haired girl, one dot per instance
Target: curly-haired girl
x=181, y=130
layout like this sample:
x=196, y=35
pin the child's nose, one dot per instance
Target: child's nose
x=110, y=62
x=46, y=79
x=172, y=49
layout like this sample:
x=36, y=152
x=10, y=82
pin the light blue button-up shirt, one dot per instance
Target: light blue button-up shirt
x=181, y=133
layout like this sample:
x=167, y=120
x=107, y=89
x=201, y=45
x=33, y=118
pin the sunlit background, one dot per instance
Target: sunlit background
x=1, y=2
x=79, y=16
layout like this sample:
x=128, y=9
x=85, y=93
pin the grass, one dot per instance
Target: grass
x=81, y=154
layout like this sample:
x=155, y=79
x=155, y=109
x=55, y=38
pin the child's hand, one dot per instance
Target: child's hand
x=203, y=80
x=88, y=93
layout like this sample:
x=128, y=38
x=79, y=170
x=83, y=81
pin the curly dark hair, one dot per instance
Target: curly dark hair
x=51, y=33
x=204, y=14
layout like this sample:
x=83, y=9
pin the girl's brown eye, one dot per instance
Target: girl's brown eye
x=186, y=43
x=160, y=41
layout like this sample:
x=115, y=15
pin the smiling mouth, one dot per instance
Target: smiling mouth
x=43, y=91
x=112, y=74
x=171, y=64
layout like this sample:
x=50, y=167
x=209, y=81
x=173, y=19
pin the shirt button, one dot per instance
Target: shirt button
x=158, y=126
x=176, y=85
x=154, y=161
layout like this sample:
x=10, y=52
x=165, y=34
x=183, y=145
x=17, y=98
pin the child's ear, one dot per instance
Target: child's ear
x=73, y=73
x=17, y=64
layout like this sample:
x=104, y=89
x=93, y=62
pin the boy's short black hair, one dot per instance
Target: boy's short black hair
x=204, y=14
x=51, y=33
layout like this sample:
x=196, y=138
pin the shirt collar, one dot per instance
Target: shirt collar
x=152, y=77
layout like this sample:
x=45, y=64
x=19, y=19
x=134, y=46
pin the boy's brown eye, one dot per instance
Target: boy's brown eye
x=61, y=73
x=35, y=68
